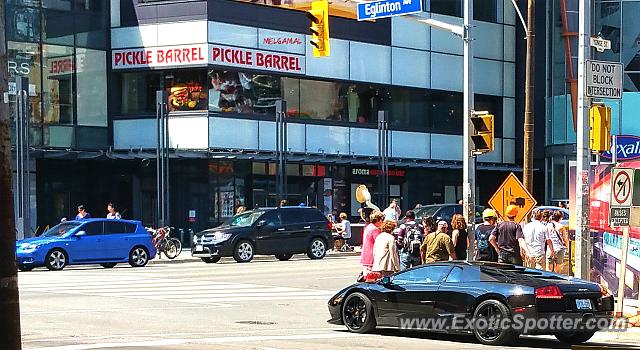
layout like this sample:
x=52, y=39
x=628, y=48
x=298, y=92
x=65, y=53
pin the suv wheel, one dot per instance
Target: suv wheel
x=284, y=257
x=243, y=252
x=317, y=249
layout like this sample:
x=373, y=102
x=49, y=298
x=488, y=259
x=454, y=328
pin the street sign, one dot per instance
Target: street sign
x=619, y=216
x=600, y=44
x=512, y=191
x=621, y=187
x=387, y=8
x=604, y=79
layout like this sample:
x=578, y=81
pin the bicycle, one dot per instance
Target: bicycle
x=164, y=243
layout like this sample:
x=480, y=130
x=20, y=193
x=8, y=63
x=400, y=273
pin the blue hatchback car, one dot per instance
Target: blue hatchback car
x=94, y=241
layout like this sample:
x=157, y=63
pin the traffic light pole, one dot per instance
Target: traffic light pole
x=468, y=159
x=583, y=155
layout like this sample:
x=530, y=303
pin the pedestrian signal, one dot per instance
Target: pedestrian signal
x=482, y=134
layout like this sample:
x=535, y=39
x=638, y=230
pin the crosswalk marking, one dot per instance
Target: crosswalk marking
x=149, y=286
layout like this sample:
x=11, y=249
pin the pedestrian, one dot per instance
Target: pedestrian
x=392, y=212
x=112, y=213
x=437, y=246
x=410, y=238
x=240, y=209
x=536, y=236
x=385, y=252
x=82, y=213
x=342, y=232
x=369, y=235
x=459, y=236
x=507, y=239
x=484, y=251
x=559, y=239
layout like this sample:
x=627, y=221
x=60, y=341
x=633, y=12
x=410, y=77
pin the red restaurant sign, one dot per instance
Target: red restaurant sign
x=200, y=54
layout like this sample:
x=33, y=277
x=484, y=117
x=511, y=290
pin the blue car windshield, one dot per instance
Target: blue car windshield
x=60, y=229
x=244, y=219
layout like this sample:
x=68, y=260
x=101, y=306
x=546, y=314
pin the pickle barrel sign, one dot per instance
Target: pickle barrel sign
x=203, y=54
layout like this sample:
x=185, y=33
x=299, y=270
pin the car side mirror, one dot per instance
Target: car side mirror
x=81, y=233
x=261, y=223
x=386, y=281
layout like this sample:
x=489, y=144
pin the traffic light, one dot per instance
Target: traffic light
x=600, y=128
x=319, y=16
x=482, y=134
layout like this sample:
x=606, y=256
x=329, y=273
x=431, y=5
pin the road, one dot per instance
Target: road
x=263, y=305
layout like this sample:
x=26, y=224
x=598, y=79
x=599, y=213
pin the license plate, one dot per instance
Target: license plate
x=583, y=304
x=199, y=248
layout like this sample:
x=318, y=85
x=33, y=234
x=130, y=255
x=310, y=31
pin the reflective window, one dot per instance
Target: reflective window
x=139, y=92
x=485, y=10
x=91, y=78
x=447, y=7
x=24, y=61
x=426, y=274
x=58, y=66
x=22, y=23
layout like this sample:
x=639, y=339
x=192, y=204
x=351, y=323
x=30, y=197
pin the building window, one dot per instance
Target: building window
x=57, y=81
x=24, y=62
x=23, y=23
x=447, y=7
x=445, y=109
x=91, y=77
x=485, y=10
x=186, y=91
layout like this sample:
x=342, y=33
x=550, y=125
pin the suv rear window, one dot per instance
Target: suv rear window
x=301, y=215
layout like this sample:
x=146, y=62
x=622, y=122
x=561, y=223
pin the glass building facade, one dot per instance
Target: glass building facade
x=612, y=20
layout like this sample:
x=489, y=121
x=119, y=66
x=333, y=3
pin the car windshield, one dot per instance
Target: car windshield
x=244, y=219
x=61, y=229
x=428, y=211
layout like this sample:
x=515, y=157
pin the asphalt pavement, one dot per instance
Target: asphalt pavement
x=186, y=304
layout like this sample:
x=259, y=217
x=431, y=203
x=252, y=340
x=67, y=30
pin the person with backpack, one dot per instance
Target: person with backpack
x=409, y=240
x=484, y=251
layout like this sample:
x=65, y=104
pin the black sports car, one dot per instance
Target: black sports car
x=495, y=302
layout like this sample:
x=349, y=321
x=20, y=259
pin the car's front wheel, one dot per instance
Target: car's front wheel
x=575, y=338
x=108, y=265
x=487, y=321
x=138, y=257
x=243, y=252
x=56, y=260
x=284, y=256
x=357, y=313
x=211, y=260
x=25, y=268
x=317, y=249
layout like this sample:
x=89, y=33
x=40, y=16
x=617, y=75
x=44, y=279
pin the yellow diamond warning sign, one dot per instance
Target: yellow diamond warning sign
x=512, y=191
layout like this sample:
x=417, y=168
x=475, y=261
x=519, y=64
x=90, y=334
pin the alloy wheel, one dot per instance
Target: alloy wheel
x=245, y=251
x=57, y=259
x=317, y=248
x=355, y=313
x=139, y=257
x=489, y=328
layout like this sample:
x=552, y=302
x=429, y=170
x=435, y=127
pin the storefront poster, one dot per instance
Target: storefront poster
x=187, y=97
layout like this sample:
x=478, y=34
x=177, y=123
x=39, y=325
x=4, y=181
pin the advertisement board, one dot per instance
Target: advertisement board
x=345, y=9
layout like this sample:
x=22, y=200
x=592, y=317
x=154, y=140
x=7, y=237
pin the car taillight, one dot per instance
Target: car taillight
x=549, y=292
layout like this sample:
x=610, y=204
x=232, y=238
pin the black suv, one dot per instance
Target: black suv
x=279, y=231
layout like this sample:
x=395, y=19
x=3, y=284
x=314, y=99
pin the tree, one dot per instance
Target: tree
x=9, y=297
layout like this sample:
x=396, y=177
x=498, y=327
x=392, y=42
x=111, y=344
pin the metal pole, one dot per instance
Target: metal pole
x=623, y=272
x=161, y=159
x=167, y=218
x=468, y=163
x=527, y=168
x=583, y=234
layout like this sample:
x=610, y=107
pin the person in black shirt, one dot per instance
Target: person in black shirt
x=484, y=251
x=507, y=238
x=459, y=236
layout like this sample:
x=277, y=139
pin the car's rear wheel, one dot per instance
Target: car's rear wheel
x=138, y=257
x=211, y=260
x=108, y=265
x=317, y=249
x=284, y=256
x=56, y=260
x=487, y=321
x=357, y=313
x=575, y=338
x=243, y=252
x=25, y=268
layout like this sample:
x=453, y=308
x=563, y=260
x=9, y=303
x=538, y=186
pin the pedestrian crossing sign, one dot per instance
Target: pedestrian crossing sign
x=512, y=191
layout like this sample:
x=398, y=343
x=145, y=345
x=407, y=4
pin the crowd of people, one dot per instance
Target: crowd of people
x=390, y=245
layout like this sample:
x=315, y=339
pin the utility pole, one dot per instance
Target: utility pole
x=527, y=169
x=468, y=159
x=583, y=154
x=9, y=297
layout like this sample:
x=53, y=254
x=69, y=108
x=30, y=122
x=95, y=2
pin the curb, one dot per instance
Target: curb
x=185, y=257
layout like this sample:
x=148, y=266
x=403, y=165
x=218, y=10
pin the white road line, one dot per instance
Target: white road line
x=221, y=340
x=110, y=310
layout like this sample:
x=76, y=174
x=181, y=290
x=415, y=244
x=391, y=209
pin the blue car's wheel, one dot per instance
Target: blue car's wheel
x=56, y=260
x=138, y=257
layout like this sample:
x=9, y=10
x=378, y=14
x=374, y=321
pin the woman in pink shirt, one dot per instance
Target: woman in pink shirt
x=369, y=235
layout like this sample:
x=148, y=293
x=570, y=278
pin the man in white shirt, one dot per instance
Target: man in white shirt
x=392, y=212
x=536, y=235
